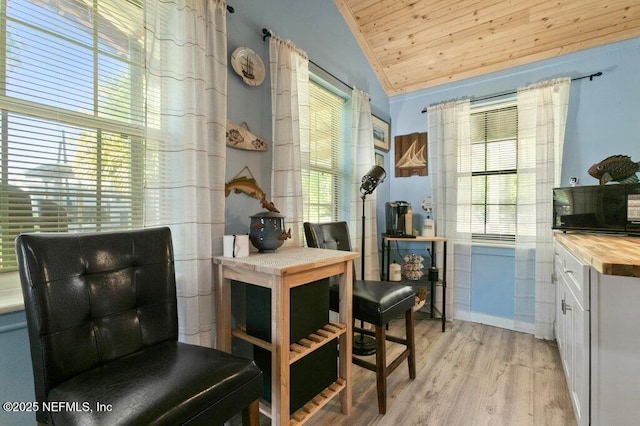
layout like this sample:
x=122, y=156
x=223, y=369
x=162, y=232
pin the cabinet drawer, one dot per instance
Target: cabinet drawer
x=575, y=273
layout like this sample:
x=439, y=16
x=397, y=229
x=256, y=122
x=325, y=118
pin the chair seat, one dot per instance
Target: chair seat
x=376, y=302
x=157, y=386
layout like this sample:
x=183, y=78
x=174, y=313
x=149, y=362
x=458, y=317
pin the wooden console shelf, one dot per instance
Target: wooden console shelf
x=297, y=350
x=301, y=416
x=304, y=414
x=321, y=337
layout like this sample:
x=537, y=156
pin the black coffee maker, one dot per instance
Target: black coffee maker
x=399, y=216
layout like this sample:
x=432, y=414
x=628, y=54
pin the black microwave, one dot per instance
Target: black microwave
x=599, y=208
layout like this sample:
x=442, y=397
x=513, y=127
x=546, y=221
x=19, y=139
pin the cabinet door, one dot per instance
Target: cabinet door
x=572, y=334
x=561, y=318
x=570, y=344
x=560, y=326
x=577, y=354
x=615, y=350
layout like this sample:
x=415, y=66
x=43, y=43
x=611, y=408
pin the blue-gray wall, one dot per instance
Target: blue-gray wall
x=315, y=27
x=603, y=119
x=16, y=380
x=493, y=276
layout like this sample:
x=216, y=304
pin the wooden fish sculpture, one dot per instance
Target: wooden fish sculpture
x=245, y=185
x=284, y=235
x=269, y=205
x=250, y=187
x=618, y=168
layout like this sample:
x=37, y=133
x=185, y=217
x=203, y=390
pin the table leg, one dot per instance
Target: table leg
x=223, y=310
x=345, y=341
x=383, y=277
x=433, y=283
x=444, y=284
x=388, y=257
x=280, y=341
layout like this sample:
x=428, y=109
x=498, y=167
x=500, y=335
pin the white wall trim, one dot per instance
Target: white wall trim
x=508, y=323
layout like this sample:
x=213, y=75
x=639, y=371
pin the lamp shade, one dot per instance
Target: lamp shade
x=374, y=177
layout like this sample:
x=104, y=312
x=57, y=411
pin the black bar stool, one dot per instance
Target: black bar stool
x=375, y=302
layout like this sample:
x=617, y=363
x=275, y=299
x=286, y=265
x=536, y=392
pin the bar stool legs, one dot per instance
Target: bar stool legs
x=411, y=343
x=381, y=368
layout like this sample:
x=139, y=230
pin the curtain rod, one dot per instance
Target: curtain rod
x=267, y=33
x=513, y=92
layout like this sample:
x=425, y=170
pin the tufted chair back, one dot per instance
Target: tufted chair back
x=94, y=298
x=334, y=235
x=330, y=235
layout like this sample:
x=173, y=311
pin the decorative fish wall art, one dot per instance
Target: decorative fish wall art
x=616, y=168
x=242, y=138
x=249, y=186
x=244, y=185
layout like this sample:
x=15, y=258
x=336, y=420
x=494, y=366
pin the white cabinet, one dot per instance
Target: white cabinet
x=615, y=350
x=572, y=328
x=597, y=329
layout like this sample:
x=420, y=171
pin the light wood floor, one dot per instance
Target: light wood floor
x=472, y=374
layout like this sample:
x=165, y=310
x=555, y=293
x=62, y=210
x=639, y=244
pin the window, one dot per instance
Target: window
x=71, y=126
x=494, y=147
x=321, y=183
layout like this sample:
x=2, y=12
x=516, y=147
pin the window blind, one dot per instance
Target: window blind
x=72, y=114
x=321, y=182
x=494, y=149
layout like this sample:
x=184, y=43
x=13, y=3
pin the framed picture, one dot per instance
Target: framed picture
x=381, y=132
x=411, y=155
x=379, y=160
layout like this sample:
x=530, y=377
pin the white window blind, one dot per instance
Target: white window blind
x=321, y=182
x=494, y=148
x=72, y=114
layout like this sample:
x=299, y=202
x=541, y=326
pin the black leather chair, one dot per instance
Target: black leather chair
x=375, y=302
x=103, y=328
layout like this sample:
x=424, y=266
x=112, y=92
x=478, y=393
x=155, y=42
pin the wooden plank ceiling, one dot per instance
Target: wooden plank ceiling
x=415, y=44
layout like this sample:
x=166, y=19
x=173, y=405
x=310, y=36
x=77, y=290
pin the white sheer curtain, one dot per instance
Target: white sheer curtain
x=363, y=158
x=290, y=126
x=542, y=115
x=186, y=80
x=450, y=165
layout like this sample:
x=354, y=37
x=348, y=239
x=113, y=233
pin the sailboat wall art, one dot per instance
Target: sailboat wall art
x=411, y=155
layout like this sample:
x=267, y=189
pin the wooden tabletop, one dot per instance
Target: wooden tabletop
x=608, y=254
x=288, y=260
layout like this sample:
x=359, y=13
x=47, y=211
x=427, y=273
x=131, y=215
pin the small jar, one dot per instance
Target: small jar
x=395, y=272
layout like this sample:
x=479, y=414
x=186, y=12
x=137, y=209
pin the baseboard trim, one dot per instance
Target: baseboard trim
x=508, y=323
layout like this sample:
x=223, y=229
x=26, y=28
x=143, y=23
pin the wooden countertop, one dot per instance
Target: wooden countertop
x=608, y=254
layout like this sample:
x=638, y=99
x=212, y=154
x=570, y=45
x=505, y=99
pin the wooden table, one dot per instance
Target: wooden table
x=281, y=271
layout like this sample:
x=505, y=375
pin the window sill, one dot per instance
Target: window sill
x=10, y=293
x=11, y=301
x=487, y=243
